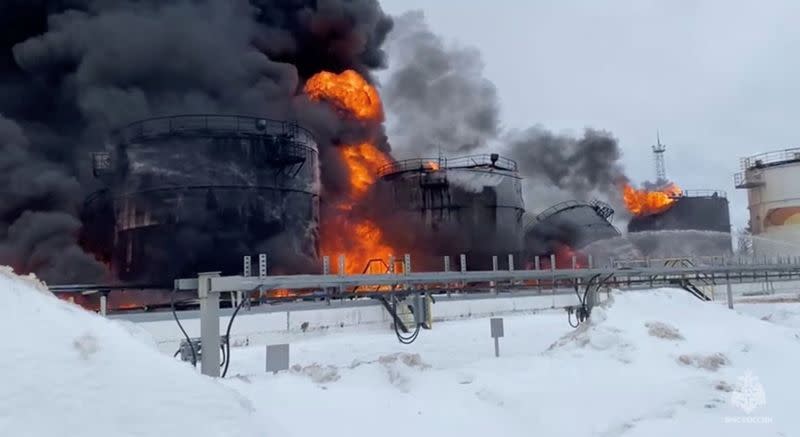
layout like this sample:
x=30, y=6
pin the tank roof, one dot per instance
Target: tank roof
x=210, y=125
x=770, y=159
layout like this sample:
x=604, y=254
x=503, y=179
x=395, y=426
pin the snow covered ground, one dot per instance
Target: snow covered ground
x=650, y=363
x=67, y=372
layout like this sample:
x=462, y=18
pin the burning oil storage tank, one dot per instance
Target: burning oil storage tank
x=772, y=181
x=700, y=221
x=571, y=223
x=471, y=204
x=192, y=193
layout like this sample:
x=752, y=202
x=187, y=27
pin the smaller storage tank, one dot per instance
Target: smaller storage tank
x=705, y=212
x=772, y=181
x=572, y=223
x=471, y=205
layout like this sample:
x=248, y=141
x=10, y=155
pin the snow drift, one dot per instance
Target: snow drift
x=65, y=371
x=650, y=363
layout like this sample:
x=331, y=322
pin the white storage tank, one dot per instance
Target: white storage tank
x=772, y=181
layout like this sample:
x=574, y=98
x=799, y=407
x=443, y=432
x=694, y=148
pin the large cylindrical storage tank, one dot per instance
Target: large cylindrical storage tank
x=471, y=205
x=196, y=193
x=704, y=212
x=772, y=181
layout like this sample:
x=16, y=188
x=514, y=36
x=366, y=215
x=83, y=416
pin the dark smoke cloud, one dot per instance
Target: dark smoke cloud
x=562, y=167
x=72, y=70
x=436, y=96
x=38, y=225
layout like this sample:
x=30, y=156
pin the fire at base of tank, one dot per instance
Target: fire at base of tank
x=566, y=228
x=468, y=205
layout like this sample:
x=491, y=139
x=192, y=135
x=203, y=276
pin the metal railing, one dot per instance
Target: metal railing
x=603, y=210
x=704, y=193
x=770, y=158
x=434, y=164
x=211, y=125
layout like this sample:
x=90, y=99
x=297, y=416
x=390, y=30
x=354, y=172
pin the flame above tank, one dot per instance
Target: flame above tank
x=647, y=202
x=359, y=240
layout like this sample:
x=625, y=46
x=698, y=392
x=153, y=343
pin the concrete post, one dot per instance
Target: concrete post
x=730, y=291
x=553, y=283
x=510, y=262
x=536, y=262
x=103, y=303
x=492, y=284
x=391, y=264
x=326, y=265
x=446, y=263
x=209, y=325
x=463, y=262
x=341, y=265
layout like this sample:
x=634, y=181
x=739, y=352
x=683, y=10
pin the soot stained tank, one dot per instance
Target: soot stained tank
x=705, y=211
x=194, y=193
x=575, y=224
x=471, y=205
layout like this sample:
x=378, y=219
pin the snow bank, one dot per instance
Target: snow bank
x=651, y=363
x=65, y=371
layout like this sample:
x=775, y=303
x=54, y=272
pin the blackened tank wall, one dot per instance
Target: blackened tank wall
x=706, y=213
x=573, y=224
x=475, y=211
x=688, y=213
x=200, y=201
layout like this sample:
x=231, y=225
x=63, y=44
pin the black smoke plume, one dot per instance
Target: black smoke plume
x=562, y=167
x=436, y=96
x=71, y=71
x=38, y=225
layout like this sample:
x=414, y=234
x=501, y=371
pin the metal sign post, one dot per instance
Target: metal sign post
x=496, y=324
x=277, y=357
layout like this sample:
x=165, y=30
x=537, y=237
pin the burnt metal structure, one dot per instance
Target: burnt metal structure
x=470, y=204
x=191, y=193
x=572, y=223
x=704, y=211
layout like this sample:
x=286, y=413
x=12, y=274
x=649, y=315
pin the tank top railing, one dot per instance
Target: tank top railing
x=435, y=164
x=210, y=125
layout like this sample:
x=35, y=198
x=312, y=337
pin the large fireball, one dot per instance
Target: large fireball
x=644, y=202
x=360, y=240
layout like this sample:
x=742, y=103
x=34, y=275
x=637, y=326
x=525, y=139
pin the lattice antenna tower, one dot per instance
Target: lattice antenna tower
x=658, y=154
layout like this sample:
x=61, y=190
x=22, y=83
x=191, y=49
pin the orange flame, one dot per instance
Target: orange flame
x=643, y=202
x=347, y=91
x=362, y=161
x=431, y=165
x=281, y=292
x=360, y=240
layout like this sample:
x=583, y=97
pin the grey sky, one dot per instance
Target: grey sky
x=719, y=79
